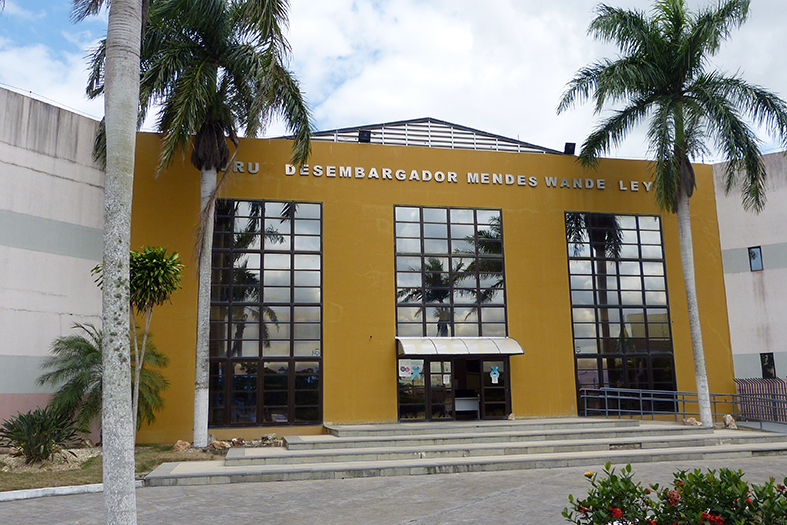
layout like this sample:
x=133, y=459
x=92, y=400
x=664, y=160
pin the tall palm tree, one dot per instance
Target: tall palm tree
x=214, y=68
x=121, y=76
x=661, y=77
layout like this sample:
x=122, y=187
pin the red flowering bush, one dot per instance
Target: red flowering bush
x=694, y=498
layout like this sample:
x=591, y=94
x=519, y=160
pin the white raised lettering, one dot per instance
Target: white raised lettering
x=521, y=180
x=255, y=169
x=577, y=183
x=621, y=186
x=647, y=185
x=439, y=176
x=484, y=178
x=589, y=184
x=401, y=175
x=414, y=175
x=387, y=173
x=317, y=171
x=634, y=185
x=532, y=181
x=345, y=171
x=451, y=176
x=564, y=183
x=289, y=169
x=551, y=181
x=601, y=184
x=330, y=171
x=359, y=172
x=426, y=175
x=373, y=174
x=305, y=169
x=510, y=179
x=472, y=178
x=238, y=167
x=497, y=178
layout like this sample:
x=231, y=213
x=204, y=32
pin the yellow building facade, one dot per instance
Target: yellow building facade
x=367, y=287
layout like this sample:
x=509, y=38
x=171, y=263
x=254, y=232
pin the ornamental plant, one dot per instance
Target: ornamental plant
x=693, y=498
x=39, y=433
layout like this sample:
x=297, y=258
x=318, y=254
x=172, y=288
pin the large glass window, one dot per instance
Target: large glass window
x=619, y=306
x=266, y=314
x=449, y=272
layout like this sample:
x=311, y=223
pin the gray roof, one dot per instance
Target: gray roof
x=431, y=133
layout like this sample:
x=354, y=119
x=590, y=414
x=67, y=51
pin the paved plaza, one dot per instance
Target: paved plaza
x=529, y=497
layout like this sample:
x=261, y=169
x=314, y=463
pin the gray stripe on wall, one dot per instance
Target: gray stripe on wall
x=736, y=260
x=19, y=374
x=19, y=230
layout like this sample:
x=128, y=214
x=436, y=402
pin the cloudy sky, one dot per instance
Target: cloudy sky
x=495, y=65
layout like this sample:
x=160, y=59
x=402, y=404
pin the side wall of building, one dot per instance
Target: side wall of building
x=757, y=300
x=359, y=290
x=51, y=207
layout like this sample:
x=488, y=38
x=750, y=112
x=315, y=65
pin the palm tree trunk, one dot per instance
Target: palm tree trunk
x=687, y=259
x=208, y=185
x=139, y=362
x=120, y=106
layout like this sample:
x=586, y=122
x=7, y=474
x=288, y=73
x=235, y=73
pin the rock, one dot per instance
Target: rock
x=268, y=440
x=511, y=416
x=219, y=445
x=211, y=438
x=692, y=422
x=729, y=422
x=238, y=442
x=181, y=446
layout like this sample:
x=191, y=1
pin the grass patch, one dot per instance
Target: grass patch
x=146, y=457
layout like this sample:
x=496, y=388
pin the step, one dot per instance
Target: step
x=328, y=441
x=280, y=455
x=458, y=427
x=216, y=472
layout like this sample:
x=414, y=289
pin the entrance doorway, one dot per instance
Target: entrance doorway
x=433, y=388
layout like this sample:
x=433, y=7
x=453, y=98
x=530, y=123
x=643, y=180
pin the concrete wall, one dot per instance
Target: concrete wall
x=51, y=217
x=756, y=300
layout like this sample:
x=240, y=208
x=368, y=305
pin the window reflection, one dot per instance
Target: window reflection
x=266, y=310
x=449, y=269
x=619, y=300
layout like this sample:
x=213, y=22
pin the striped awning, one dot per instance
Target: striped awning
x=457, y=346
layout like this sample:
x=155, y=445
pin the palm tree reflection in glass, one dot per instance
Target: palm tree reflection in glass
x=485, y=263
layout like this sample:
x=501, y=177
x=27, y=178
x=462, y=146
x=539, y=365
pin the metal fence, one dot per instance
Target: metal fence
x=756, y=400
x=651, y=404
x=762, y=399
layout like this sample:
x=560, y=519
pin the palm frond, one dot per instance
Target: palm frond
x=612, y=131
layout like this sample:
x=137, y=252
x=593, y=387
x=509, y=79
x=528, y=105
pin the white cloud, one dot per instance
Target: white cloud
x=12, y=9
x=58, y=78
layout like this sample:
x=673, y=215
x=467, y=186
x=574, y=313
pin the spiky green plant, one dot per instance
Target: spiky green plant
x=39, y=433
x=74, y=367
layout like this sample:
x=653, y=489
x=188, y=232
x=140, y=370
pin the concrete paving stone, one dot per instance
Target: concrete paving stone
x=529, y=497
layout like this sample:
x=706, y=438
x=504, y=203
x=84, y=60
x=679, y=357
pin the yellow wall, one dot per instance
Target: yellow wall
x=359, y=319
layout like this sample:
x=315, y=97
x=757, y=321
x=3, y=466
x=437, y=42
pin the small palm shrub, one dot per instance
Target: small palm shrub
x=39, y=433
x=74, y=367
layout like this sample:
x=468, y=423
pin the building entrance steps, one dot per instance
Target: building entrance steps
x=351, y=451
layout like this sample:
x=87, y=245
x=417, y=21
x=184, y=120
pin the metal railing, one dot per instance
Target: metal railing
x=652, y=404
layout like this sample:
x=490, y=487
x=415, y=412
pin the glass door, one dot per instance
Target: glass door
x=495, y=399
x=441, y=392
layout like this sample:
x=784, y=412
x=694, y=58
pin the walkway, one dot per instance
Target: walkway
x=529, y=497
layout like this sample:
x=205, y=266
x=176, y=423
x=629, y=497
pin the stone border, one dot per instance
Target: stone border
x=14, y=495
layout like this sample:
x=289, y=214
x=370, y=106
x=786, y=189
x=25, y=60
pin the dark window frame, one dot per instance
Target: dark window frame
x=467, y=277
x=225, y=333
x=644, y=358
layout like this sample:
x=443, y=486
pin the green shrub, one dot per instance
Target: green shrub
x=694, y=498
x=39, y=434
